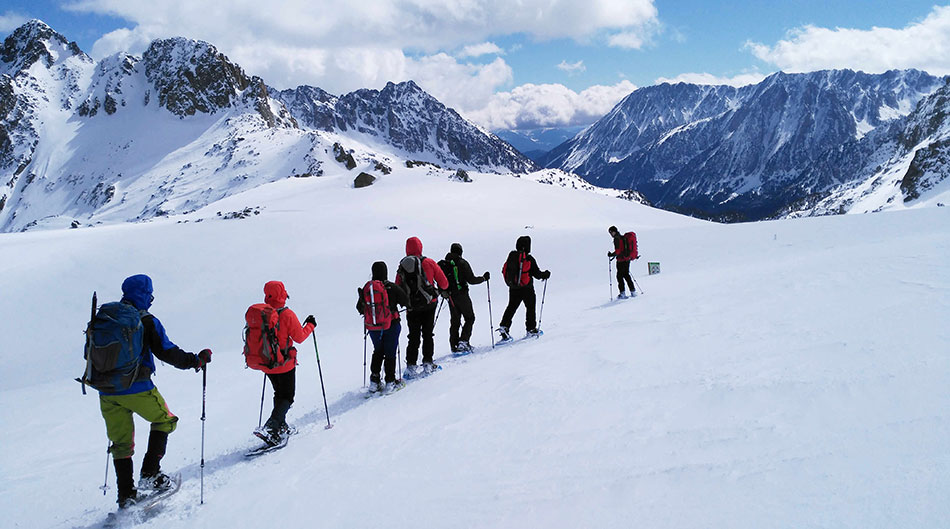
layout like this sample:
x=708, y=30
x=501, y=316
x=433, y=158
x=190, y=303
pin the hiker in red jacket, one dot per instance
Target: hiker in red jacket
x=625, y=250
x=283, y=377
x=424, y=282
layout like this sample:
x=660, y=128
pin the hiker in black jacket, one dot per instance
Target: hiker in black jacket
x=519, y=271
x=385, y=341
x=460, y=276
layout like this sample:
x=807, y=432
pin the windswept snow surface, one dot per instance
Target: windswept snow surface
x=776, y=374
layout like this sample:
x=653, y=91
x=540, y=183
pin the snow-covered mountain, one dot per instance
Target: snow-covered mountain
x=739, y=153
x=405, y=117
x=906, y=163
x=132, y=138
x=535, y=143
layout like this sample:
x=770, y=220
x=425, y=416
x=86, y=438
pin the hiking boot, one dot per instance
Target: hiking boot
x=126, y=501
x=286, y=430
x=503, y=331
x=534, y=333
x=388, y=388
x=373, y=387
x=623, y=295
x=429, y=367
x=158, y=483
x=464, y=347
x=268, y=435
x=411, y=371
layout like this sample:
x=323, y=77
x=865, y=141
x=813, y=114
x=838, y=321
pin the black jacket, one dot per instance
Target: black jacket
x=461, y=273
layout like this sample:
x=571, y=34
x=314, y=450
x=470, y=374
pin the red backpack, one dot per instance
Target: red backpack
x=376, y=313
x=261, y=343
x=516, y=261
x=632, y=250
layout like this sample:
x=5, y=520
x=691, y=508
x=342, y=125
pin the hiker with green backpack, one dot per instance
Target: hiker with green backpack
x=122, y=342
x=460, y=276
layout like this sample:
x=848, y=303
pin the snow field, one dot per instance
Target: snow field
x=781, y=374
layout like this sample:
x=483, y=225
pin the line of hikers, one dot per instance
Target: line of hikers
x=123, y=338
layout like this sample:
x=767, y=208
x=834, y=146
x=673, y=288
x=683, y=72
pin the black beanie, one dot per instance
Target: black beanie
x=456, y=249
x=380, y=272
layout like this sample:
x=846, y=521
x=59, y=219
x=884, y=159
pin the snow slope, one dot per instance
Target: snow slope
x=780, y=374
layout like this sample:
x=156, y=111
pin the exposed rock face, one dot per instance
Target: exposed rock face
x=740, y=153
x=406, y=117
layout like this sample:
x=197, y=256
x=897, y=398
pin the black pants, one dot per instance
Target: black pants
x=285, y=385
x=421, y=325
x=623, y=274
x=385, y=344
x=517, y=296
x=460, y=307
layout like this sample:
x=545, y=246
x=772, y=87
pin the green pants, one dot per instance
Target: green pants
x=117, y=411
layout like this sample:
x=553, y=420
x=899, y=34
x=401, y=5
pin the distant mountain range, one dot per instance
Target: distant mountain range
x=536, y=143
x=131, y=138
x=793, y=144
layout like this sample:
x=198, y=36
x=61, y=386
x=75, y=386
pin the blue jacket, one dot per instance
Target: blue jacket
x=137, y=291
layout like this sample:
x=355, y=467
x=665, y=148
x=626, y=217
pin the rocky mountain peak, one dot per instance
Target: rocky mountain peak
x=36, y=41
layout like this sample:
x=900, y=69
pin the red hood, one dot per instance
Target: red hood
x=275, y=294
x=413, y=246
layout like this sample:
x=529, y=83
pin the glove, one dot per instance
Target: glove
x=611, y=254
x=444, y=294
x=487, y=276
x=204, y=358
x=310, y=319
x=546, y=274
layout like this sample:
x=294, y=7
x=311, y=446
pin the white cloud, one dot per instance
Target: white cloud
x=10, y=21
x=742, y=79
x=477, y=50
x=531, y=106
x=924, y=45
x=572, y=67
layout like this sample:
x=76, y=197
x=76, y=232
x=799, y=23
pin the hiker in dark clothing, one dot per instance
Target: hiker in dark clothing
x=520, y=270
x=385, y=339
x=460, y=276
x=625, y=250
x=424, y=282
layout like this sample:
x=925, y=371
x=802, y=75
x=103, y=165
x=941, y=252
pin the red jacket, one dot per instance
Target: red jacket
x=289, y=327
x=433, y=272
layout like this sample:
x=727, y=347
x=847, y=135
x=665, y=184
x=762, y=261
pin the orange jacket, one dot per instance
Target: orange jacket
x=288, y=325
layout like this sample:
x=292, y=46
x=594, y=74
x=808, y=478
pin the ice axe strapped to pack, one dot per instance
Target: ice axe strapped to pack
x=114, y=342
x=261, y=345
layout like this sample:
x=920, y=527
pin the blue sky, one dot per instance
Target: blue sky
x=543, y=63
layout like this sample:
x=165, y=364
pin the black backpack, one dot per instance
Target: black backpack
x=421, y=291
x=451, y=270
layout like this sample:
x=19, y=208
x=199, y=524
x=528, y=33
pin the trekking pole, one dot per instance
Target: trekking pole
x=441, y=301
x=105, y=480
x=322, y=388
x=610, y=276
x=490, y=320
x=637, y=284
x=263, y=386
x=204, y=398
x=541, y=312
x=365, y=332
